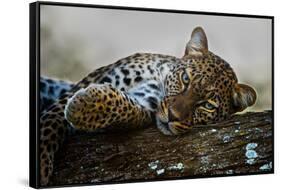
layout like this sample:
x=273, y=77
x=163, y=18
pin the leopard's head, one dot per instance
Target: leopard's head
x=203, y=90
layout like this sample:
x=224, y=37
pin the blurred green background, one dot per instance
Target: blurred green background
x=75, y=41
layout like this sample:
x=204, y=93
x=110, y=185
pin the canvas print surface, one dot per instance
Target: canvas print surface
x=133, y=95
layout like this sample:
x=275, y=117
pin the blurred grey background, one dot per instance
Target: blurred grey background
x=75, y=41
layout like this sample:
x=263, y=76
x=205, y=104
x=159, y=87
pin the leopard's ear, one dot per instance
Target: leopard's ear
x=243, y=97
x=198, y=44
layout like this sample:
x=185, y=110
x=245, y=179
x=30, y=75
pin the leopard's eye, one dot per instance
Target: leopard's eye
x=185, y=78
x=209, y=106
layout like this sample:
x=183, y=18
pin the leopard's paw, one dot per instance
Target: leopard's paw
x=89, y=109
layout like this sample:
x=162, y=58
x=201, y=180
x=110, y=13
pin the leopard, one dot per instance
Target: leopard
x=173, y=94
x=51, y=89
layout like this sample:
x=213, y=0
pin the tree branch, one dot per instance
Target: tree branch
x=240, y=145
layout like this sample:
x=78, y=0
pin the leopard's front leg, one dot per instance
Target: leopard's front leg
x=100, y=106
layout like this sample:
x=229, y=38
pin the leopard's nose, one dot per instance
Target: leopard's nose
x=173, y=115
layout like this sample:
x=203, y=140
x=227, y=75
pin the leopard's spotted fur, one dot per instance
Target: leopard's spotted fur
x=51, y=90
x=135, y=91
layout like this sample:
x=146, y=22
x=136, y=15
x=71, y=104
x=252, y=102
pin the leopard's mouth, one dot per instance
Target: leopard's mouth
x=162, y=118
x=172, y=127
x=163, y=126
x=168, y=126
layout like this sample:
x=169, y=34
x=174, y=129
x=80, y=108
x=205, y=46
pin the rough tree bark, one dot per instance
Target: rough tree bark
x=240, y=145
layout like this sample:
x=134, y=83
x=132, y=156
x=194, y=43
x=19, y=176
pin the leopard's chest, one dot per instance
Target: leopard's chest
x=141, y=77
x=148, y=94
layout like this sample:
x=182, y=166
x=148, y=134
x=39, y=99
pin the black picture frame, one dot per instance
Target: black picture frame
x=34, y=82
